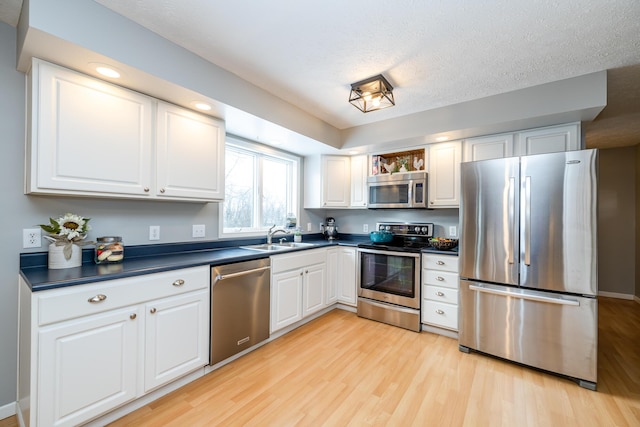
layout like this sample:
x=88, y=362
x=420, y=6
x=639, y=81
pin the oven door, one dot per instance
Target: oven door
x=389, y=276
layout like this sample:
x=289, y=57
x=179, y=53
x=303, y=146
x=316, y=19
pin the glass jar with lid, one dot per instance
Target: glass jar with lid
x=109, y=250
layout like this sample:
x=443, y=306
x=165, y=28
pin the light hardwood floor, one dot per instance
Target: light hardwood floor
x=341, y=370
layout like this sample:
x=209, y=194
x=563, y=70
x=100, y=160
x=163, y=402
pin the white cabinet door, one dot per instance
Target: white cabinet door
x=335, y=181
x=313, y=290
x=333, y=276
x=444, y=174
x=359, y=174
x=87, y=366
x=87, y=136
x=549, y=140
x=286, y=298
x=347, y=285
x=488, y=147
x=176, y=337
x=190, y=154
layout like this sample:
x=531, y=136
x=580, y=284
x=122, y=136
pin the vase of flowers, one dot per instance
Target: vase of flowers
x=66, y=235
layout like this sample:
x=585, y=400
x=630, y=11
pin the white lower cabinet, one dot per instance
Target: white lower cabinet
x=440, y=282
x=85, y=350
x=298, y=286
x=176, y=337
x=347, y=285
x=87, y=367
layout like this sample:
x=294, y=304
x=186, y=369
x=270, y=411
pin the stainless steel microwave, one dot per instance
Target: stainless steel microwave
x=398, y=191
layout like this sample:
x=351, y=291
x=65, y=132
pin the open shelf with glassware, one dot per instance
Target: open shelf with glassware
x=398, y=162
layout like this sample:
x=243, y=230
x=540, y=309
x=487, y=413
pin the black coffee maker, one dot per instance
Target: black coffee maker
x=330, y=228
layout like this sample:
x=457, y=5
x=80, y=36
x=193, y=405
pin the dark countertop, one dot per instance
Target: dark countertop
x=453, y=251
x=146, y=259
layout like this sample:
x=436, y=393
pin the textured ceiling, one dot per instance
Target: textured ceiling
x=435, y=53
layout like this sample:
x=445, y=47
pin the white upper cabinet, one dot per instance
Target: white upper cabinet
x=327, y=182
x=188, y=148
x=488, y=147
x=444, y=174
x=88, y=137
x=359, y=174
x=549, y=140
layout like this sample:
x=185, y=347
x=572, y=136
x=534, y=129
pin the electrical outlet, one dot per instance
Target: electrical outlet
x=309, y=227
x=453, y=231
x=365, y=228
x=154, y=232
x=321, y=226
x=198, y=230
x=31, y=238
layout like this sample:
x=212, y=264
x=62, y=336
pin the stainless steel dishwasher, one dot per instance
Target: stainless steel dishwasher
x=240, y=299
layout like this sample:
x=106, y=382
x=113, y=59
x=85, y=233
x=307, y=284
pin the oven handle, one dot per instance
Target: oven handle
x=391, y=253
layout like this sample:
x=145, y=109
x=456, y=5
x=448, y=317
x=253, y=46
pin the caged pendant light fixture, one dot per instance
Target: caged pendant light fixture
x=374, y=93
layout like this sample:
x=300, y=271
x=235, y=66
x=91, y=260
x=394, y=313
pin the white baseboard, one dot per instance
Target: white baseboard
x=636, y=299
x=617, y=295
x=7, y=410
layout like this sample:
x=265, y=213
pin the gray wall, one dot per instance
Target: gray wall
x=617, y=221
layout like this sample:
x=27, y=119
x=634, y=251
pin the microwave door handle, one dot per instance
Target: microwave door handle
x=410, y=195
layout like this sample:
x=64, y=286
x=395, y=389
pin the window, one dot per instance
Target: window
x=261, y=188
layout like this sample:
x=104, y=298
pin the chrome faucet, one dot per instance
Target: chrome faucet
x=271, y=232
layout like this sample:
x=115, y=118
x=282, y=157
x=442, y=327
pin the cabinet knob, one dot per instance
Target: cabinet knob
x=132, y=316
x=98, y=298
x=153, y=310
x=439, y=311
x=440, y=262
x=440, y=278
x=301, y=273
x=162, y=190
x=306, y=272
x=440, y=294
x=146, y=189
x=178, y=282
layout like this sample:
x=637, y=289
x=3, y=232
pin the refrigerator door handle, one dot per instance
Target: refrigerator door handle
x=527, y=220
x=512, y=217
x=521, y=294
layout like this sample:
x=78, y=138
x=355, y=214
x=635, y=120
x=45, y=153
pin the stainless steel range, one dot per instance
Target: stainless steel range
x=389, y=275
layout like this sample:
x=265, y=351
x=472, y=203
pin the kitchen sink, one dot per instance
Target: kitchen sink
x=295, y=245
x=274, y=247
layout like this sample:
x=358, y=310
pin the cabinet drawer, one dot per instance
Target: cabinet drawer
x=440, y=262
x=61, y=304
x=440, y=314
x=438, y=294
x=440, y=278
x=293, y=261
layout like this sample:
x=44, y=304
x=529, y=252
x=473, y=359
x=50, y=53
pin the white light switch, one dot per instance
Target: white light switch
x=154, y=232
x=198, y=230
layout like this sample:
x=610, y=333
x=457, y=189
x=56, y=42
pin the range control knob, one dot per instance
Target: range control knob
x=381, y=228
x=425, y=230
x=388, y=228
x=417, y=229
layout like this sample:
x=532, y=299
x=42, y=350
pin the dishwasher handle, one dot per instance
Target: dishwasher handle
x=220, y=277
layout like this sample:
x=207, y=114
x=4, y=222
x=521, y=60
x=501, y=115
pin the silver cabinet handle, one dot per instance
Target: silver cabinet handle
x=440, y=278
x=98, y=298
x=153, y=310
x=132, y=316
x=162, y=190
x=440, y=262
x=440, y=294
x=439, y=311
x=146, y=189
x=178, y=282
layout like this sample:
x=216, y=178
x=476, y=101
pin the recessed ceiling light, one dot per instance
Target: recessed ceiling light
x=352, y=152
x=107, y=70
x=202, y=106
x=442, y=138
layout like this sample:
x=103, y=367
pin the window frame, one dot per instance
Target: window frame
x=262, y=151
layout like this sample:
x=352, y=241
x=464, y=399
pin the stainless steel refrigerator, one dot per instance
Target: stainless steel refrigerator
x=528, y=257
